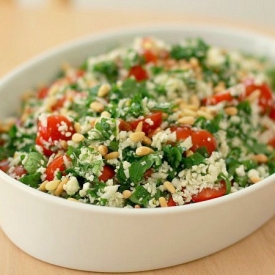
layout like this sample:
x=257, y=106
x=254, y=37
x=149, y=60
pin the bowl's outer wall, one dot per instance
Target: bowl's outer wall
x=113, y=240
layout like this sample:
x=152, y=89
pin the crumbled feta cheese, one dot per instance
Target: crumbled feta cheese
x=72, y=186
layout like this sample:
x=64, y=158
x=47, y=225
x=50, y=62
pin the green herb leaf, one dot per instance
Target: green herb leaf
x=138, y=168
x=193, y=48
x=194, y=159
x=31, y=180
x=223, y=177
x=140, y=196
x=107, y=68
x=33, y=162
x=173, y=155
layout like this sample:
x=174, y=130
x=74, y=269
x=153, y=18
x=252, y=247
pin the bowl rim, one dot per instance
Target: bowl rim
x=132, y=31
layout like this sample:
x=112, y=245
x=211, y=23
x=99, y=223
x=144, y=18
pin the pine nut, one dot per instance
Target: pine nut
x=72, y=199
x=139, y=127
x=255, y=179
x=254, y=95
x=126, y=194
x=58, y=191
x=64, y=144
x=113, y=155
x=105, y=114
x=204, y=114
x=231, y=111
x=77, y=127
x=146, y=140
x=187, y=112
x=143, y=151
x=97, y=107
x=189, y=153
x=191, y=107
x=163, y=202
x=52, y=185
x=194, y=62
x=77, y=138
x=42, y=186
x=103, y=90
x=103, y=150
x=261, y=158
x=169, y=186
x=188, y=120
x=195, y=100
x=137, y=136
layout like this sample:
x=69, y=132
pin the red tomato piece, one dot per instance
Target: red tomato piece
x=57, y=164
x=148, y=173
x=4, y=165
x=209, y=193
x=107, y=173
x=217, y=98
x=150, y=122
x=138, y=73
x=19, y=171
x=124, y=126
x=272, y=142
x=182, y=132
x=272, y=112
x=42, y=92
x=45, y=145
x=59, y=104
x=53, y=129
x=266, y=97
x=171, y=202
x=202, y=138
x=150, y=57
x=56, y=127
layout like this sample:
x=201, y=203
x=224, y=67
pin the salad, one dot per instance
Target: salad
x=147, y=125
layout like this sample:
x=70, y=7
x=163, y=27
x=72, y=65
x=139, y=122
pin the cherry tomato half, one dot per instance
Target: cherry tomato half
x=200, y=138
x=182, y=132
x=138, y=73
x=45, y=145
x=107, y=173
x=217, y=98
x=19, y=171
x=56, y=127
x=265, y=99
x=4, y=165
x=209, y=193
x=150, y=122
x=56, y=165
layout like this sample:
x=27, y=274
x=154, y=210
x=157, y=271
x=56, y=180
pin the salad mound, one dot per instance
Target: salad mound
x=147, y=125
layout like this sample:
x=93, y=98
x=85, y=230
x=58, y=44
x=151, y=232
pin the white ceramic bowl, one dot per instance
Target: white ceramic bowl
x=94, y=238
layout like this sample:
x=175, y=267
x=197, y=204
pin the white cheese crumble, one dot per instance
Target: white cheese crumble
x=72, y=186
